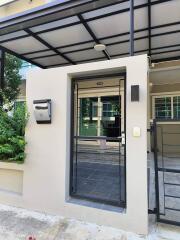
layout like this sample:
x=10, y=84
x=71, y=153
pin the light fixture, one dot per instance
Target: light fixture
x=100, y=47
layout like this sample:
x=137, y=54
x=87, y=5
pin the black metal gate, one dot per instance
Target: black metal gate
x=98, y=159
x=167, y=171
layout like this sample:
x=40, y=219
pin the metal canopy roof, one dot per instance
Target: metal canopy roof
x=65, y=32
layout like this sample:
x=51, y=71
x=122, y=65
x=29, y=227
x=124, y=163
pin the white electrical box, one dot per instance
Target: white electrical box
x=136, y=132
x=42, y=111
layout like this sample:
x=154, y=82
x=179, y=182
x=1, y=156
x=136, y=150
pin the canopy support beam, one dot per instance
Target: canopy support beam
x=92, y=35
x=34, y=35
x=21, y=57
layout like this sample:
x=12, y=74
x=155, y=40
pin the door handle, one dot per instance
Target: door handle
x=123, y=141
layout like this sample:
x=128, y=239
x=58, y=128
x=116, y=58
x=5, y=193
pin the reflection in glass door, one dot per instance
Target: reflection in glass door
x=111, y=116
x=88, y=116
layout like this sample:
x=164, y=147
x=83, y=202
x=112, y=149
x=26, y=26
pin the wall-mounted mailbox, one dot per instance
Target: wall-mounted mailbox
x=42, y=111
x=135, y=93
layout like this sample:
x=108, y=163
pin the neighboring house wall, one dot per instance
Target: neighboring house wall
x=23, y=71
x=165, y=88
x=161, y=90
x=20, y=6
x=169, y=91
x=22, y=94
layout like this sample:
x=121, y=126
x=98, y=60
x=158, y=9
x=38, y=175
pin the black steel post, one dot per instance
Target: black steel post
x=125, y=95
x=2, y=63
x=131, y=27
x=149, y=26
x=2, y=59
x=71, y=185
x=156, y=171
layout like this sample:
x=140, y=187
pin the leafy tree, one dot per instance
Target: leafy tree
x=12, y=121
x=12, y=79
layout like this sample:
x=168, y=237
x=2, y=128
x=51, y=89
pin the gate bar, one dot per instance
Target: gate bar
x=173, y=209
x=171, y=170
x=98, y=138
x=173, y=184
x=100, y=76
x=175, y=223
x=171, y=196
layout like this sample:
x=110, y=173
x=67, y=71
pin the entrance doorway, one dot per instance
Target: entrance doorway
x=98, y=159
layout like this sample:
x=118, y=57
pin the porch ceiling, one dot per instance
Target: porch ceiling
x=65, y=32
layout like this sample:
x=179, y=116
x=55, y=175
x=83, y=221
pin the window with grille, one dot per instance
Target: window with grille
x=167, y=107
x=176, y=107
x=163, y=108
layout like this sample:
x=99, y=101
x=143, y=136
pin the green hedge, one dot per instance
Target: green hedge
x=12, y=134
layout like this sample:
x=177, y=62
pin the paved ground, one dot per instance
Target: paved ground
x=19, y=224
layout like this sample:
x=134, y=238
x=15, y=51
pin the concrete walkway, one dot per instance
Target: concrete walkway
x=20, y=224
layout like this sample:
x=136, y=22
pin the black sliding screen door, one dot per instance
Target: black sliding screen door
x=98, y=159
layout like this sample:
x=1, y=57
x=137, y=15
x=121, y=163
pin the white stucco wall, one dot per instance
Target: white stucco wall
x=46, y=171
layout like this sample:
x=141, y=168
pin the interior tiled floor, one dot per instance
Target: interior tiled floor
x=99, y=172
x=100, y=181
